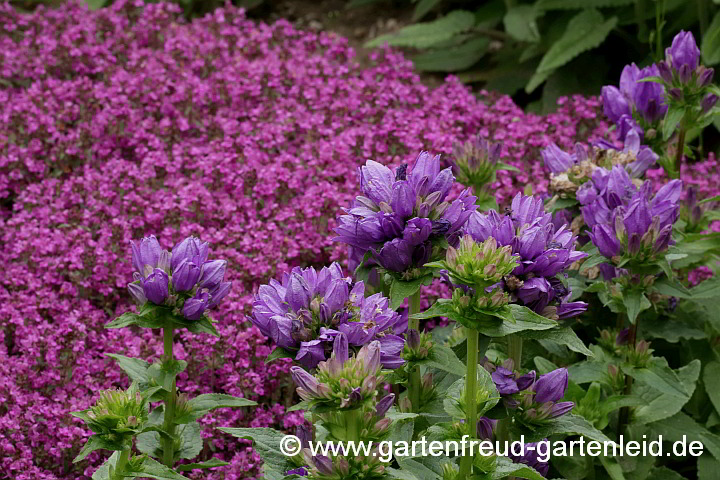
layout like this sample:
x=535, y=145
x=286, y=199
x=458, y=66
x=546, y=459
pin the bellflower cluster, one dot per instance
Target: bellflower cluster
x=544, y=252
x=308, y=309
x=570, y=170
x=535, y=399
x=402, y=218
x=627, y=221
x=635, y=106
x=185, y=280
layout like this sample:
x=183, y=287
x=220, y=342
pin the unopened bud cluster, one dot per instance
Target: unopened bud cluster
x=340, y=467
x=475, y=162
x=478, y=265
x=418, y=346
x=118, y=413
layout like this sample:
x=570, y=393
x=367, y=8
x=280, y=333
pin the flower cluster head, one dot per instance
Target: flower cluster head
x=536, y=399
x=402, y=218
x=478, y=264
x=342, y=382
x=184, y=279
x=307, y=310
x=418, y=346
x=636, y=103
x=627, y=222
x=476, y=161
x=544, y=250
x=341, y=467
x=568, y=171
x=117, y=413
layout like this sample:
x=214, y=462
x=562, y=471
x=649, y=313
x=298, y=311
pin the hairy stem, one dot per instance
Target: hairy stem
x=414, y=382
x=624, y=415
x=169, y=425
x=470, y=397
x=121, y=464
x=515, y=345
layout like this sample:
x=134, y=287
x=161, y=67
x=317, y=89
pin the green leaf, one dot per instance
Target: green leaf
x=580, y=4
x=671, y=120
x=153, y=469
x=164, y=373
x=136, y=368
x=103, y=471
x=585, y=31
x=202, y=404
x=711, y=379
x=520, y=23
x=204, y=325
x=507, y=468
x=569, y=424
x=124, y=320
x=266, y=442
x=664, y=406
x=422, y=8
x=444, y=358
x=489, y=396
x=97, y=442
x=561, y=336
x=710, y=46
x=279, y=352
x=707, y=467
x=635, y=302
x=426, y=468
x=400, y=290
x=659, y=376
x=716, y=198
x=681, y=426
x=454, y=58
x=191, y=442
x=212, y=463
x=425, y=35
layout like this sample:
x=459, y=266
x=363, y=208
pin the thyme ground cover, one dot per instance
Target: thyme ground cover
x=129, y=122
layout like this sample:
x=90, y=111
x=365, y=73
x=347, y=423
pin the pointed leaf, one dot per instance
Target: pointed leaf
x=96, y=442
x=213, y=462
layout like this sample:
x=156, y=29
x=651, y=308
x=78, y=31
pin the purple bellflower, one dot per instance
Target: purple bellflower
x=400, y=216
x=544, y=250
x=184, y=279
x=308, y=309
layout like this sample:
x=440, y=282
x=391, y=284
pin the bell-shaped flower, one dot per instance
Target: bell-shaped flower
x=156, y=286
x=683, y=52
x=551, y=386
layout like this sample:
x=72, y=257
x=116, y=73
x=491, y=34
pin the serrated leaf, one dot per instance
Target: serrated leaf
x=191, y=442
x=659, y=376
x=266, y=442
x=561, y=336
x=579, y=4
x=454, y=58
x=664, y=406
x=585, y=31
x=520, y=23
x=153, y=469
x=202, y=404
x=710, y=46
x=97, y=442
x=400, y=290
x=443, y=358
x=212, y=463
x=425, y=35
x=570, y=424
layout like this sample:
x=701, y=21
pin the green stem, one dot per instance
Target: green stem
x=624, y=415
x=169, y=425
x=414, y=381
x=680, y=149
x=352, y=425
x=470, y=396
x=121, y=464
x=515, y=345
x=659, y=11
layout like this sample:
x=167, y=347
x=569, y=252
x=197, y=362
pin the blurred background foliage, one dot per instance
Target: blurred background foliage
x=535, y=51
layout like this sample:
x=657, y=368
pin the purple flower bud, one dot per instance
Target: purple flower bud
x=155, y=286
x=705, y=77
x=304, y=380
x=190, y=249
x=637, y=219
x=298, y=292
x=413, y=339
x=212, y=273
x=311, y=353
x=504, y=380
x=196, y=306
x=622, y=337
x=402, y=200
x=301, y=471
x=185, y=276
x=341, y=348
x=218, y=293
x=323, y=464
x=526, y=380
x=551, y=386
x=556, y=160
x=376, y=181
x=561, y=408
x=137, y=292
x=683, y=52
x=370, y=356
x=570, y=309
x=676, y=93
x=146, y=253
x=304, y=433
x=535, y=293
x=684, y=74
x=384, y=405
x=615, y=105
x=665, y=71
x=605, y=240
x=708, y=102
x=484, y=428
